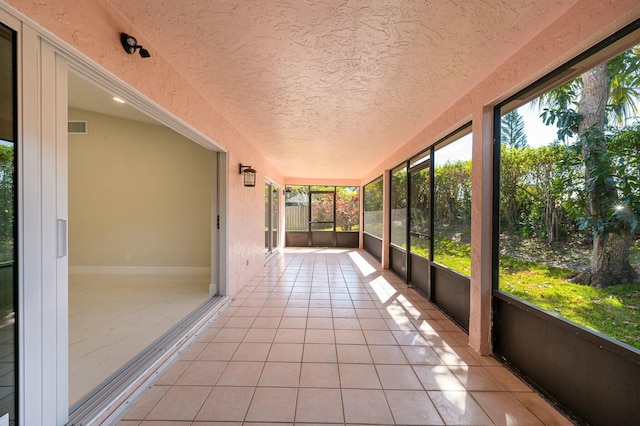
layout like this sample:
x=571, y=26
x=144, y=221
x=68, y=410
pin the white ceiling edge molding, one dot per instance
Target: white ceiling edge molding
x=102, y=78
x=105, y=80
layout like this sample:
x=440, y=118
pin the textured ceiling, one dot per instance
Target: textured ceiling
x=329, y=88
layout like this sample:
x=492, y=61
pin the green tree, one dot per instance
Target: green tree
x=512, y=129
x=399, y=189
x=6, y=201
x=512, y=172
x=453, y=192
x=373, y=208
x=581, y=108
x=541, y=186
x=420, y=196
x=529, y=197
x=398, y=206
x=373, y=196
x=322, y=210
x=347, y=208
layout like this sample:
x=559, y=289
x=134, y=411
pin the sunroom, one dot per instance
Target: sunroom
x=480, y=158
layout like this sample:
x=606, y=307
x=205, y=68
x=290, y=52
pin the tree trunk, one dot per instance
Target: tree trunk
x=609, y=262
x=610, y=258
x=552, y=221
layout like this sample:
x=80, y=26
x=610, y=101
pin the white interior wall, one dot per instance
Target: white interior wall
x=139, y=198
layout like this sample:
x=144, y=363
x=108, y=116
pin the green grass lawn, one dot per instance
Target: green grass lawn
x=614, y=311
x=447, y=253
x=454, y=255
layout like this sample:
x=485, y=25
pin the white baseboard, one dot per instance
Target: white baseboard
x=141, y=270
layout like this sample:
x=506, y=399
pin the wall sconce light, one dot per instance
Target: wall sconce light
x=130, y=45
x=249, y=175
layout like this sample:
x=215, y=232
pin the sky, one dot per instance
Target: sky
x=538, y=134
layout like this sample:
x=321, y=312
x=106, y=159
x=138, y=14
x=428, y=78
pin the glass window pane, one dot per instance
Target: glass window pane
x=452, y=205
x=267, y=216
x=322, y=226
x=322, y=188
x=322, y=211
x=373, y=208
x=419, y=160
x=347, y=208
x=420, y=210
x=297, y=208
x=275, y=215
x=8, y=215
x=570, y=199
x=399, y=207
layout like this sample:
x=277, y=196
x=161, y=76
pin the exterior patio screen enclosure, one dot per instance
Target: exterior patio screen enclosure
x=322, y=216
x=373, y=215
x=431, y=223
x=566, y=185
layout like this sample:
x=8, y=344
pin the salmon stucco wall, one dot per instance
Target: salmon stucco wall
x=92, y=30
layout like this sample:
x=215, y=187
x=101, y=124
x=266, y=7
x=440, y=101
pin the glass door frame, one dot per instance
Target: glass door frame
x=272, y=217
x=414, y=168
x=419, y=267
x=319, y=238
x=13, y=317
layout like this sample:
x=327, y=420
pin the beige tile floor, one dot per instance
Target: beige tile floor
x=326, y=337
x=114, y=317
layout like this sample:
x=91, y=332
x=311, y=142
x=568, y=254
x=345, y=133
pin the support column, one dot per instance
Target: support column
x=481, y=231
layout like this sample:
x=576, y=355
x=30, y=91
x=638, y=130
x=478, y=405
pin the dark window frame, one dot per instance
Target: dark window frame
x=602, y=51
x=377, y=180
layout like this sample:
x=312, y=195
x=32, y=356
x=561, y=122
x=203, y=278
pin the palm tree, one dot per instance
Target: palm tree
x=606, y=94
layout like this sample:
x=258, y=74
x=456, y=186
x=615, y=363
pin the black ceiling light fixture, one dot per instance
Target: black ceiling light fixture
x=130, y=45
x=249, y=175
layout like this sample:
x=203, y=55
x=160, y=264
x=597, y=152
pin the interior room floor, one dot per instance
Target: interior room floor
x=114, y=317
x=326, y=337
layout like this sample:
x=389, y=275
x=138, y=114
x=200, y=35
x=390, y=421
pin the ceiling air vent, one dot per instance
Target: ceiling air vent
x=77, y=126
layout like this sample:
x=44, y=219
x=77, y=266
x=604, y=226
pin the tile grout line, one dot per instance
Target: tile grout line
x=336, y=288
